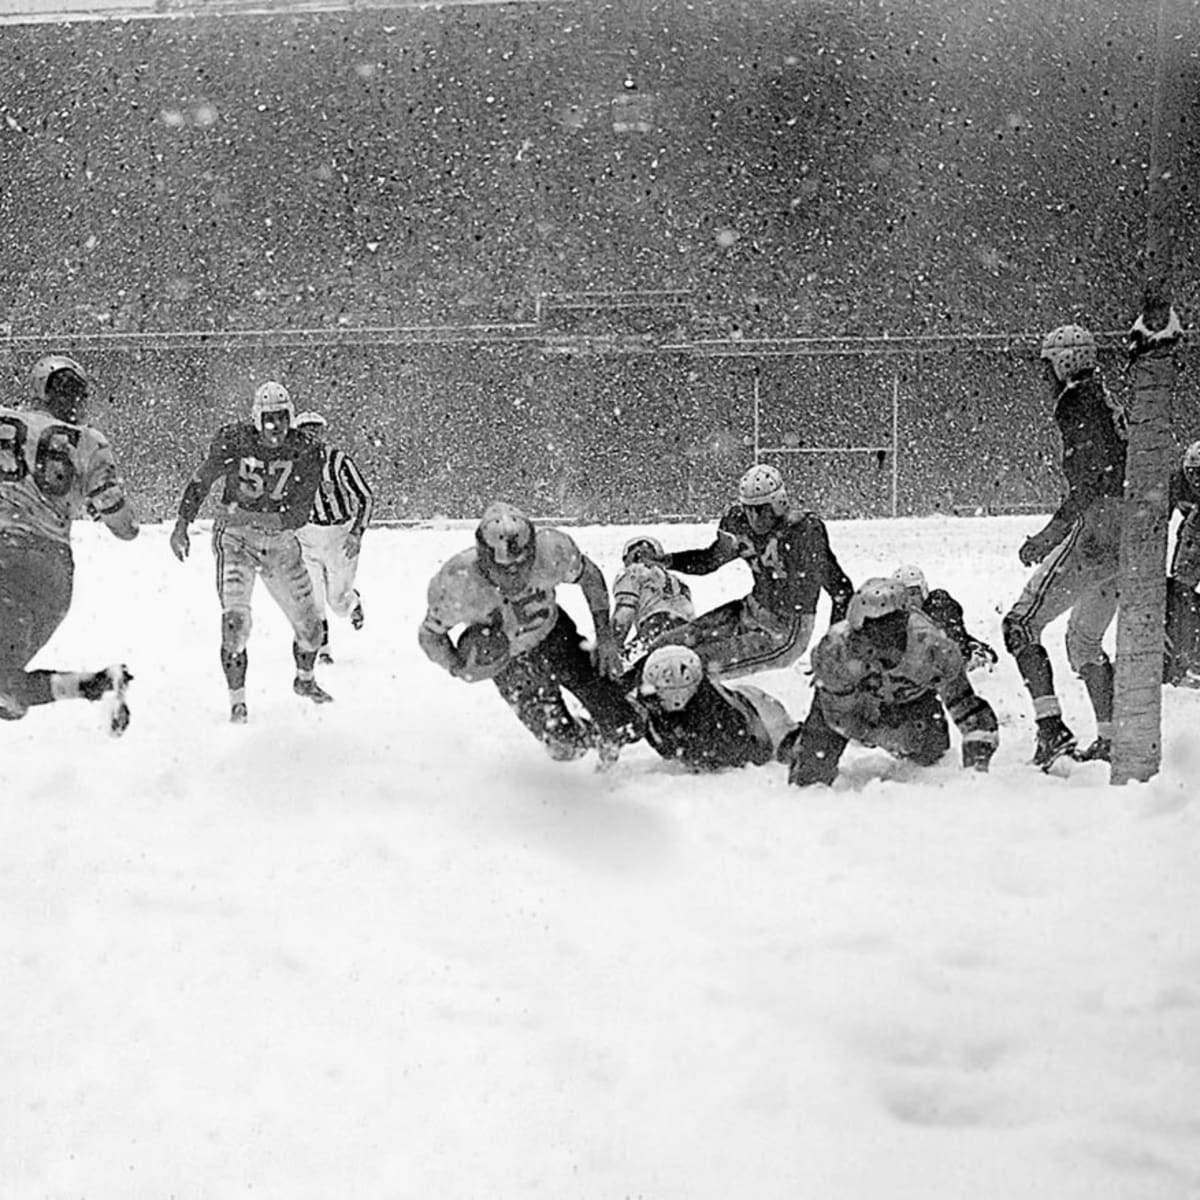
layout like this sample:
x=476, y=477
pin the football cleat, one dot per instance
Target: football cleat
x=310, y=689
x=238, y=714
x=356, y=615
x=117, y=704
x=109, y=685
x=1054, y=740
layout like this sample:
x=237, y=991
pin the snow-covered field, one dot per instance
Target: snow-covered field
x=386, y=949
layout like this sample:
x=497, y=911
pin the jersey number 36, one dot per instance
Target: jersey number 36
x=53, y=466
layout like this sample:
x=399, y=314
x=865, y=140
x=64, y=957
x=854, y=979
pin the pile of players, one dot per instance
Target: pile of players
x=892, y=670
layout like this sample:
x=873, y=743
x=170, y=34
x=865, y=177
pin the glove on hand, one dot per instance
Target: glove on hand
x=981, y=656
x=352, y=544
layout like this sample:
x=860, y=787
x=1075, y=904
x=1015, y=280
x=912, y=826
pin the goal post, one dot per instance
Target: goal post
x=1138, y=676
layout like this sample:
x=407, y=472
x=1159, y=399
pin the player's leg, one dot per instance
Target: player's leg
x=616, y=721
x=288, y=580
x=1052, y=589
x=236, y=570
x=756, y=646
x=36, y=581
x=527, y=685
x=1086, y=627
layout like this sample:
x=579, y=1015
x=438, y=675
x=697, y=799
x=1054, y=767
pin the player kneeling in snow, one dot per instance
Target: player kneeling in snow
x=503, y=590
x=702, y=723
x=886, y=676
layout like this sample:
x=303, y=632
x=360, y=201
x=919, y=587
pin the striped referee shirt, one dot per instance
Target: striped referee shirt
x=343, y=494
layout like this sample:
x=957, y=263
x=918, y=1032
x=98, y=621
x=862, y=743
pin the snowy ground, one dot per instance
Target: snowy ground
x=386, y=949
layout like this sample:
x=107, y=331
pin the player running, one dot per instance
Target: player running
x=270, y=474
x=54, y=468
x=506, y=583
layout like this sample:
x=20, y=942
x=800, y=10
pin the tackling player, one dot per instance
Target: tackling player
x=54, y=468
x=270, y=473
x=947, y=613
x=507, y=582
x=887, y=676
x=788, y=554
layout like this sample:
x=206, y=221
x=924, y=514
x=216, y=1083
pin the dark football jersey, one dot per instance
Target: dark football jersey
x=790, y=563
x=257, y=478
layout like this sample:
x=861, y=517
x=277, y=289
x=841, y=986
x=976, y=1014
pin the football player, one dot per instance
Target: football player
x=270, y=473
x=887, y=676
x=790, y=558
x=54, y=468
x=706, y=724
x=944, y=611
x=331, y=540
x=1077, y=553
x=647, y=598
x=507, y=581
x=1181, y=664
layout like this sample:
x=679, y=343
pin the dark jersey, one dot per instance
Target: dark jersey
x=946, y=612
x=1093, y=433
x=790, y=563
x=710, y=733
x=257, y=478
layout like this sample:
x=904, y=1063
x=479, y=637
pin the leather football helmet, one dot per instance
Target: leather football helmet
x=60, y=386
x=673, y=675
x=1070, y=350
x=506, y=544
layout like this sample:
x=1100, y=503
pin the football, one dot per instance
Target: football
x=484, y=650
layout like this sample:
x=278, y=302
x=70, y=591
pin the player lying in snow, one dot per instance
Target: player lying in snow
x=886, y=676
x=503, y=590
x=703, y=723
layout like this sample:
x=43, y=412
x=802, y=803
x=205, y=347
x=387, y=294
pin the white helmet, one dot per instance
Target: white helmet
x=763, y=484
x=673, y=674
x=272, y=397
x=912, y=578
x=311, y=420
x=67, y=398
x=1069, y=349
x=1191, y=464
x=876, y=598
x=656, y=550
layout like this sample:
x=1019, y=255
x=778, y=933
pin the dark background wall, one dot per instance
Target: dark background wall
x=790, y=170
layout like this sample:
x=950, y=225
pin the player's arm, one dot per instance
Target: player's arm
x=706, y=559
x=595, y=592
x=216, y=462
x=433, y=636
x=106, y=499
x=625, y=604
x=834, y=580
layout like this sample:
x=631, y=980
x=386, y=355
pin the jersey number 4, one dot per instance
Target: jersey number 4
x=53, y=466
x=257, y=478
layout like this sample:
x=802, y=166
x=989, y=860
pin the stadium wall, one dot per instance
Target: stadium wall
x=584, y=433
